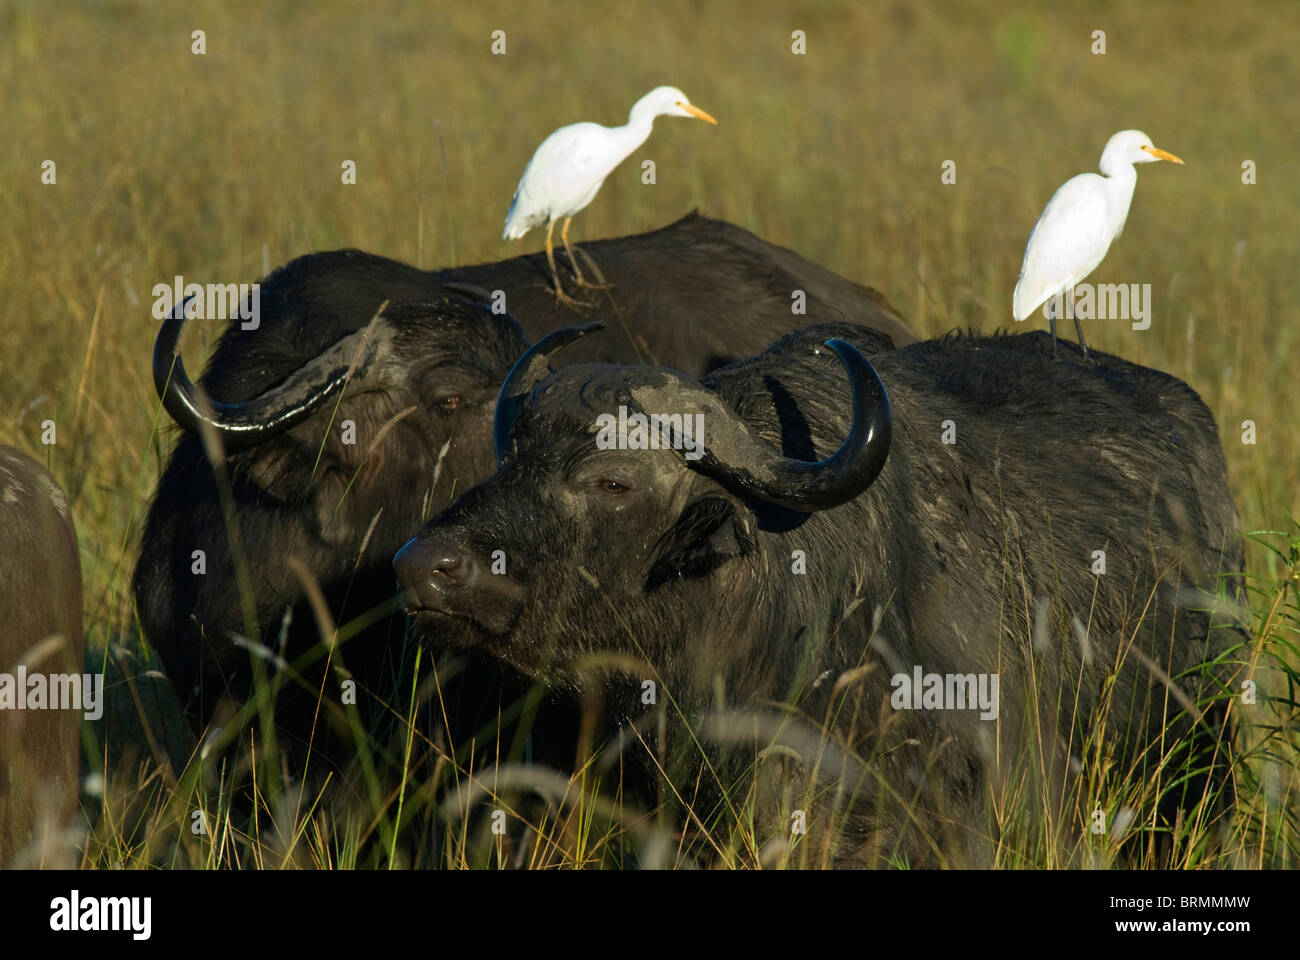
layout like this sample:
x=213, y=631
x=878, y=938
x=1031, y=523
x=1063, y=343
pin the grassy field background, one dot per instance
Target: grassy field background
x=222, y=165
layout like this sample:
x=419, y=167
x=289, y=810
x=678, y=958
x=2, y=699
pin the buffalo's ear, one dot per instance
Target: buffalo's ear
x=708, y=533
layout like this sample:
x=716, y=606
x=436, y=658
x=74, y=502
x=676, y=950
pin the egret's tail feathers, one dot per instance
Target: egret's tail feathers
x=1018, y=311
x=1022, y=304
x=516, y=227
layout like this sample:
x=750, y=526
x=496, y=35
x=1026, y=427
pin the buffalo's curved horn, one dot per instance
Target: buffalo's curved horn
x=525, y=374
x=272, y=411
x=742, y=460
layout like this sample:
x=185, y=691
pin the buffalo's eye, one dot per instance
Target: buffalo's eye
x=448, y=404
x=614, y=487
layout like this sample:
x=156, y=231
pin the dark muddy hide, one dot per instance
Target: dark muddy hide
x=767, y=609
x=40, y=609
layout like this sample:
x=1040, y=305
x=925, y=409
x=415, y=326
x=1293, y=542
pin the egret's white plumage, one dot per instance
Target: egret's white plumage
x=1079, y=224
x=568, y=169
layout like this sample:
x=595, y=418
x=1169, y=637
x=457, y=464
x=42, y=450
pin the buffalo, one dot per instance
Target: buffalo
x=787, y=573
x=337, y=479
x=40, y=607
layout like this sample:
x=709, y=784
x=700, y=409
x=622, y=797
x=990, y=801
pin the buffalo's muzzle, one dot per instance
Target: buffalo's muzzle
x=441, y=576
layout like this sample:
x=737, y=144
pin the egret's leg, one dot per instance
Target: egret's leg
x=550, y=257
x=594, y=267
x=564, y=237
x=1051, y=320
x=555, y=276
x=1079, y=330
x=577, y=270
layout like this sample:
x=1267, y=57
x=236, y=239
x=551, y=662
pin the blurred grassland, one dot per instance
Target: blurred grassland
x=174, y=163
x=170, y=163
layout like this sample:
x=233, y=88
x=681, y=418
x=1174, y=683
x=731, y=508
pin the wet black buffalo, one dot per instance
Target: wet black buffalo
x=40, y=633
x=828, y=543
x=340, y=485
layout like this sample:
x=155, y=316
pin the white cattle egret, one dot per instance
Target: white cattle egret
x=1078, y=226
x=569, y=167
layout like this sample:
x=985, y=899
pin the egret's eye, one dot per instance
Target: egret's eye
x=448, y=404
x=614, y=487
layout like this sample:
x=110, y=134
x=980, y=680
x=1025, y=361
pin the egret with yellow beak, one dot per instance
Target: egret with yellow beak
x=567, y=171
x=1079, y=224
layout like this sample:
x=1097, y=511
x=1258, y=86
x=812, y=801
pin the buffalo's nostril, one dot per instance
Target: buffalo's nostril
x=449, y=566
x=427, y=567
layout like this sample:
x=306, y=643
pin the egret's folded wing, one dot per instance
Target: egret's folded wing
x=1071, y=237
x=573, y=159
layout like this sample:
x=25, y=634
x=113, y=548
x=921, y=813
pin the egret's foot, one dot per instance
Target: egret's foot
x=567, y=300
x=578, y=278
x=573, y=261
x=581, y=281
